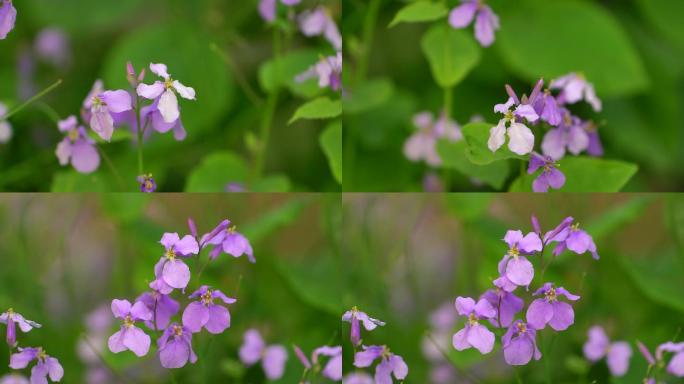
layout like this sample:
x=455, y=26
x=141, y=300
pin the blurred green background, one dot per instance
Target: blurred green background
x=223, y=124
x=64, y=256
x=413, y=253
x=632, y=50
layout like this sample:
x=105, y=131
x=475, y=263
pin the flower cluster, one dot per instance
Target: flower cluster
x=674, y=367
x=155, y=309
x=565, y=131
x=422, y=145
x=46, y=365
x=332, y=369
x=486, y=21
x=500, y=306
x=8, y=16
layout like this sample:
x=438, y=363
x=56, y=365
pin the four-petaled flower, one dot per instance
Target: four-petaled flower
x=550, y=175
x=46, y=365
x=77, y=147
x=176, y=352
x=520, y=137
x=204, y=313
x=171, y=267
x=422, y=145
x=332, y=369
x=230, y=241
x=486, y=21
x=617, y=354
x=474, y=334
x=390, y=364
x=102, y=106
x=147, y=183
x=570, y=134
x=11, y=319
x=520, y=344
x=559, y=315
x=273, y=357
x=570, y=236
x=355, y=318
x=327, y=69
x=574, y=87
x=514, y=264
x=130, y=337
x=166, y=90
x=676, y=365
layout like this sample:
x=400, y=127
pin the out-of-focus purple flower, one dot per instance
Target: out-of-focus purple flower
x=162, y=306
x=177, y=351
x=102, y=107
x=267, y=8
x=506, y=305
x=46, y=365
x=574, y=87
x=52, y=45
x=273, y=357
x=204, y=313
x=676, y=365
x=356, y=318
x=599, y=346
x=77, y=147
x=570, y=135
x=171, y=267
x=474, y=334
x=432, y=183
x=358, y=378
x=12, y=319
x=595, y=147
x=422, y=145
x=301, y=356
x=8, y=15
x=520, y=137
x=165, y=91
x=520, y=344
x=147, y=183
x=559, y=315
x=550, y=176
x=571, y=237
x=486, y=21
x=235, y=187
x=5, y=127
x=15, y=378
x=390, y=364
x=333, y=367
x=645, y=353
x=328, y=70
x=514, y=264
x=318, y=22
x=130, y=337
x=230, y=241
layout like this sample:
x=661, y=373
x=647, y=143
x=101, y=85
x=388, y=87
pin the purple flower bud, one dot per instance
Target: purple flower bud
x=12, y=319
x=8, y=15
x=193, y=228
x=535, y=225
x=355, y=317
x=646, y=353
x=273, y=357
x=46, y=366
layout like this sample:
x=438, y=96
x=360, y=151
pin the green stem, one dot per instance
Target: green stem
x=517, y=376
x=448, y=101
x=31, y=100
x=141, y=164
x=368, y=31
x=173, y=376
x=251, y=94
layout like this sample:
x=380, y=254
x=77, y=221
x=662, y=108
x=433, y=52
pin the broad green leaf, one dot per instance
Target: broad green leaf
x=419, y=11
x=585, y=174
x=271, y=183
x=331, y=144
x=215, y=172
x=453, y=155
x=275, y=74
x=273, y=220
x=476, y=136
x=666, y=17
x=72, y=181
x=368, y=95
x=547, y=39
x=317, y=282
x=659, y=277
x=615, y=217
x=320, y=108
x=452, y=54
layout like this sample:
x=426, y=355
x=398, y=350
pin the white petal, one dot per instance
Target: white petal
x=150, y=91
x=63, y=152
x=159, y=70
x=497, y=136
x=185, y=92
x=168, y=106
x=521, y=139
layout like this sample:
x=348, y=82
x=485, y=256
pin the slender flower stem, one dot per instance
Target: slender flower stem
x=140, y=136
x=173, y=376
x=31, y=100
x=251, y=94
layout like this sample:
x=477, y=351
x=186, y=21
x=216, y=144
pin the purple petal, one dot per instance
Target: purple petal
x=527, y=112
x=137, y=341
x=176, y=274
x=219, y=319
x=578, y=241
x=152, y=91
x=115, y=341
x=536, y=162
x=333, y=369
x=481, y=338
x=460, y=340
x=520, y=139
x=676, y=365
x=555, y=178
x=541, y=183
x=503, y=108
x=275, y=357
x=55, y=370
x=520, y=271
x=139, y=311
x=463, y=15
x=39, y=373
x=484, y=310
x=216, y=294
x=383, y=372
x=464, y=305
x=117, y=101
x=169, y=239
x=195, y=316
x=563, y=316
x=252, y=347
x=618, y=358
x=184, y=91
x=578, y=140
x=102, y=123
x=187, y=246
x=8, y=16
x=365, y=358
x=530, y=243
x=160, y=70
x=564, y=292
x=512, y=238
x=539, y=313
x=84, y=156
x=175, y=354
x=597, y=344
x=553, y=144
x=168, y=106
x=121, y=308
x=510, y=306
x=399, y=367
x=497, y=136
x=236, y=244
x=267, y=10
x=485, y=25
x=519, y=351
x=22, y=359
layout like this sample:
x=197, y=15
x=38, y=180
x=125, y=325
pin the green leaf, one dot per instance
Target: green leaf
x=320, y=108
x=452, y=54
x=331, y=144
x=81, y=15
x=616, y=217
x=271, y=183
x=316, y=282
x=585, y=174
x=666, y=17
x=659, y=277
x=275, y=74
x=215, y=172
x=476, y=136
x=419, y=11
x=72, y=181
x=274, y=220
x=368, y=95
x=548, y=39
x=453, y=155
x=468, y=206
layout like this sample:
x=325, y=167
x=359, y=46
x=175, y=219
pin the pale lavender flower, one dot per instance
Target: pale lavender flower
x=8, y=16
x=267, y=8
x=595, y=147
x=152, y=115
x=356, y=318
x=130, y=337
x=171, y=267
x=328, y=70
x=506, y=304
x=549, y=310
x=676, y=365
x=520, y=344
x=422, y=145
x=13, y=378
x=76, y=147
x=230, y=241
x=598, y=346
x=474, y=334
x=574, y=87
x=520, y=137
x=162, y=306
x=52, y=45
x=205, y=314
x=165, y=91
x=390, y=364
x=175, y=347
x=548, y=109
x=273, y=357
x=12, y=319
x=571, y=237
x=318, y=22
x=514, y=264
x=550, y=175
x=570, y=135
x=333, y=367
x=46, y=365
x=5, y=127
x=103, y=105
x=486, y=21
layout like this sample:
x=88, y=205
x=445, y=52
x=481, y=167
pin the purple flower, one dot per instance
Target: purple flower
x=574, y=87
x=390, y=364
x=676, y=365
x=147, y=183
x=273, y=357
x=152, y=114
x=550, y=176
x=332, y=369
x=167, y=104
x=599, y=346
x=571, y=237
x=162, y=306
x=230, y=241
x=52, y=45
x=569, y=135
x=12, y=318
x=15, y=378
x=559, y=315
x=548, y=109
x=129, y=336
x=514, y=264
x=8, y=15
x=46, y=365
x=235, y=187
x=355, y=318
x=520, y=137
x=474, y=334
x=595, y=147
x=170, y=267
x=318, y=22
x=646, y=353
x=520, y=344
x=506, y=305
x=176, y=352
x=486, y=21
x=77, y=147
x=328, y=70
x=267, y=8
x=422, y=145
x=103, y=105
x=204, y=313
x=5, y=127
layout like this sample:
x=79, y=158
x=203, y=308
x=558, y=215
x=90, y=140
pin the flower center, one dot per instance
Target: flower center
x=168, y=84
x=522, y=328
x=128, y=321
x=177, y=330
x=574, y=227
x=73, y=134
x=551, y=295
x=97, y=101
x=170, y=253
x=509, y=115
x=472, y=319
x=41, y=354
x=514, y=251
x=207, y=299
x=386, y=354
x=10, y=313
